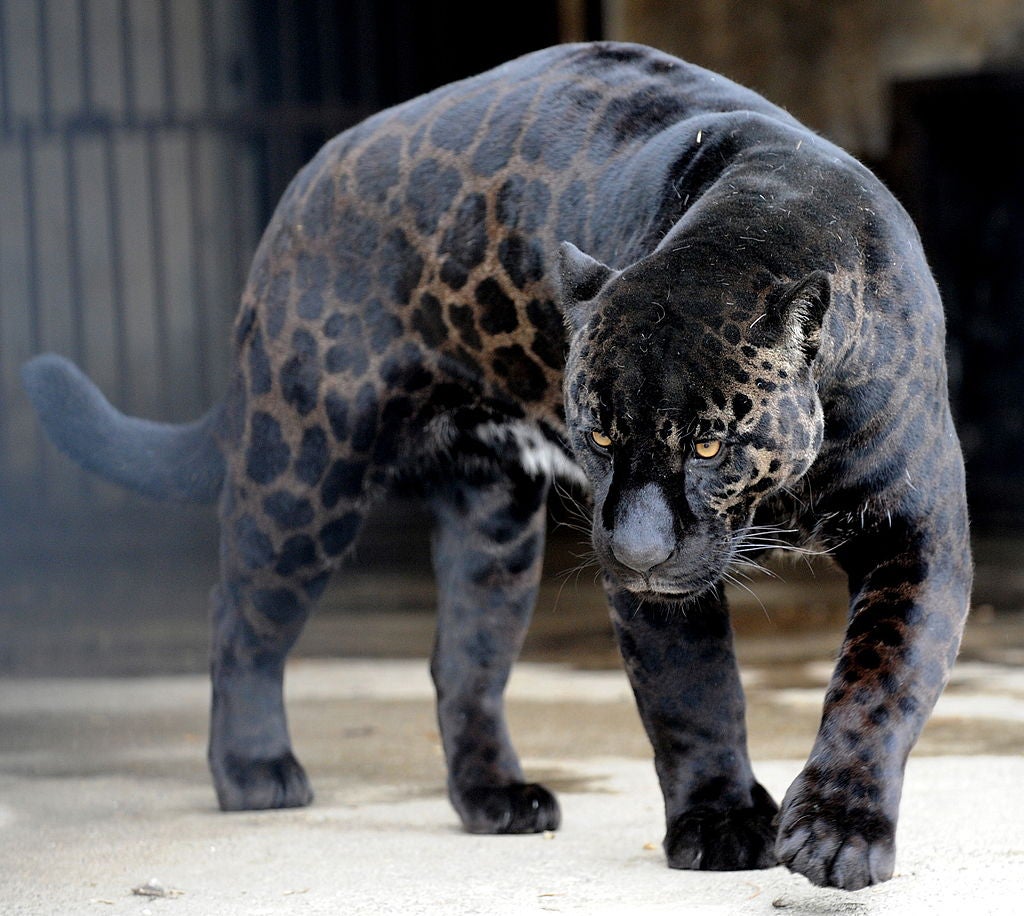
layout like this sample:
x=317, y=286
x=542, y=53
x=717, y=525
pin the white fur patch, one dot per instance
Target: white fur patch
x=537, y=455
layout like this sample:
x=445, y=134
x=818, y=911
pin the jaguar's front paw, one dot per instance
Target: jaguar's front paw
x=515, y=808
x=712, y=839
x=247, y=784
x=833, y=843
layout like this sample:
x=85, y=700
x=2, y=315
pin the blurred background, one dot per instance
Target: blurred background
x=144, y=143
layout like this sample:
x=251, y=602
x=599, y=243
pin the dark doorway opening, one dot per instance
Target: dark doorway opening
x=957, y=166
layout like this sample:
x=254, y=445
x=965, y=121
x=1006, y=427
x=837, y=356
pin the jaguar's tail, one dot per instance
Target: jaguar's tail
x=179, y=463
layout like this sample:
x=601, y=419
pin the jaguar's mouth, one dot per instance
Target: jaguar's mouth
x=668, y=591
x=686, y=576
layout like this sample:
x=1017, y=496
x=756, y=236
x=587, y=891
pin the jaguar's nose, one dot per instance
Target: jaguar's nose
x=643, y=537
x=642, y=557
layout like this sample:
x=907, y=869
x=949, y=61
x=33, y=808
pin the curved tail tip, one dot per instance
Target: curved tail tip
x=177, y=462
x=45, y=375
x=44, y=368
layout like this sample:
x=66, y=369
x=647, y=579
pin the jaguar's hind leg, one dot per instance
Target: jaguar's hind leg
x=269, y=583
x=487, y=549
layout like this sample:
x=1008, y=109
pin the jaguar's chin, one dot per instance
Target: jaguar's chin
x=670, y=592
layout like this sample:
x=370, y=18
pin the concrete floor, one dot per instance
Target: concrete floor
x=103, y=785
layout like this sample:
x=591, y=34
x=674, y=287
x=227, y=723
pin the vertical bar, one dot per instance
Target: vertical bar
x=287, y=49
x=78, y=305
x=278, y=146
x=5, y=88
x=40, y=472
x=283, y=141
x=75, y=272
x=210, y=57
x=45, y=87
x=593, y=20
x=85, y=61
x=241, y=141
x=368, y=92
x=5, y=129
x=74, y=249
x=123, y=351
x=117, y=271
x=153, y=141
x=5, y=469
x=167, y=42
x=405, y=78
x=159, y=274
x=198, y=265
x=127, y=68
x=327, y=35
x=32, y=242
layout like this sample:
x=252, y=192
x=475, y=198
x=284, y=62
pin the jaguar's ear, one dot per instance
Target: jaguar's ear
x=794, y=313
x=580, y=279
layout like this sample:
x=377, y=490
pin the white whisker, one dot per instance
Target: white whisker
x=729, y=577
x=747, y=563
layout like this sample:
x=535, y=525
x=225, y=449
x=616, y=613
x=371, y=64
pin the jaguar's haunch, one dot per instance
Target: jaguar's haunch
x=751, y=342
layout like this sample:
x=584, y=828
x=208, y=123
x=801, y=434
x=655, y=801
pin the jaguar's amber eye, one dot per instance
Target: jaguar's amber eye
x=707, y=449
x=600, y=439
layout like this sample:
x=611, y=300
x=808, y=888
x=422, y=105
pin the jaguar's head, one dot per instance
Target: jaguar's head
x=689, y=400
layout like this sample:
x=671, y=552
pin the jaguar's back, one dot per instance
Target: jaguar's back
x=428, y=233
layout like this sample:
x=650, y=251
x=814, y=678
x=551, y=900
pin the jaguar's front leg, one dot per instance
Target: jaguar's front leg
x=681, y=665
x=488, y=547
x=910, y=585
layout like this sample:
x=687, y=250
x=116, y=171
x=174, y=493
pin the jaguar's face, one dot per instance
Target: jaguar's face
x=684, y=418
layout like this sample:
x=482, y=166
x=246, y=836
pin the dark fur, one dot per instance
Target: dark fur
x=744, y=282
